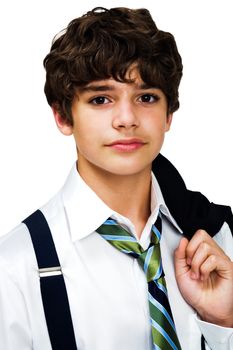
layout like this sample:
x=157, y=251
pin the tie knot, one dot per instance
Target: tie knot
x=150, y=261
x=120, y=238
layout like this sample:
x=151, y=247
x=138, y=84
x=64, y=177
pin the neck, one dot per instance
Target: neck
x=128, y=195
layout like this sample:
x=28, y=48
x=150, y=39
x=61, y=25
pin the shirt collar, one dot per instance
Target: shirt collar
x=86, y=211
x=158, y=203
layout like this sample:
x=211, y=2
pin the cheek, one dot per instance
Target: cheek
x=87, y=137
x=156, y=125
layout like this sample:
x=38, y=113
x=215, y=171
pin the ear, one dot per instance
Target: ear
x=169, y=121
x=64, y=127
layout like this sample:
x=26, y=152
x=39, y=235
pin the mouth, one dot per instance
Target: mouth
x=126, y=144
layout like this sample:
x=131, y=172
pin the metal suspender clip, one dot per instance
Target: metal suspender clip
x=50, y=271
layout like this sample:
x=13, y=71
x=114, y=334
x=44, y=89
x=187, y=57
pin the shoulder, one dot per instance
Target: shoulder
x=16, y=249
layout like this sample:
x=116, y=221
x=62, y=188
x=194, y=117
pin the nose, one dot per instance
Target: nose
x=125, y=116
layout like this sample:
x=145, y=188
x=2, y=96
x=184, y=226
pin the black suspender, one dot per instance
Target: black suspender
x=202, y=343
x=52, y=284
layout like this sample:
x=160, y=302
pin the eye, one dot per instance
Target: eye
x=149, y=98
x=100, y=100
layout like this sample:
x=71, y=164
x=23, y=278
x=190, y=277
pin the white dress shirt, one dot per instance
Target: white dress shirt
x=107, y=289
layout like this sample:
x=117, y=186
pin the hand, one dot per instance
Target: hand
x=204, y=275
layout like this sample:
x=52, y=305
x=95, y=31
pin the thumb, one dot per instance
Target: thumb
x=181, y=265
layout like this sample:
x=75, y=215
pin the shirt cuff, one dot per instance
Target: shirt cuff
x=217, y=337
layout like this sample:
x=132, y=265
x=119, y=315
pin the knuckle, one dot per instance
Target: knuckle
x=201, y=233
x=204, y=246
x=212, y=260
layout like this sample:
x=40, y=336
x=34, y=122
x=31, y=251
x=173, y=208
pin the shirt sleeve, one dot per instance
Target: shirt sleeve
x=224, y=239
x=217, y=338
x=14, y=325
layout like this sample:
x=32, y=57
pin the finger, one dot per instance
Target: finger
x=208, y=266
x=180, y=257
x=180, y=252
x=199, y=237
x=222, y=266
x=203, y=251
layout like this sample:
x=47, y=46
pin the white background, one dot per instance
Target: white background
x=35, y=157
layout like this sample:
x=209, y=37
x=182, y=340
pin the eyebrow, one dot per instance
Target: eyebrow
x=102, y=87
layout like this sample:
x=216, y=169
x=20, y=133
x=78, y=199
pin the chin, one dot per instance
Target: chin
x=128, y=170
x=118, y=167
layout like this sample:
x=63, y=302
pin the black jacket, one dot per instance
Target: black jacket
x=191, y=210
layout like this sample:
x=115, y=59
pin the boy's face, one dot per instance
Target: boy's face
x=119, y=128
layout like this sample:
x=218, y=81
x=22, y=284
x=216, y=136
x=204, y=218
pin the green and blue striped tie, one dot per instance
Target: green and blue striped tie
x=163, y=329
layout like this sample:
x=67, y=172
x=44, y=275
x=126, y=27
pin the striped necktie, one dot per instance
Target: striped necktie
x=163, y=329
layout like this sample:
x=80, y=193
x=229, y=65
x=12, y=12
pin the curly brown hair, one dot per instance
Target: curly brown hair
x=105, y=43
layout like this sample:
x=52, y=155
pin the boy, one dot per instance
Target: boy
x=112, y=82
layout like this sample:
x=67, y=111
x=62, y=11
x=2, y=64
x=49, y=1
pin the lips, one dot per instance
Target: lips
x=127, y=144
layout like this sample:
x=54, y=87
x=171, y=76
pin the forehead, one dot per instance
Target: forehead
x=133, y=81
